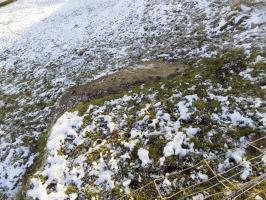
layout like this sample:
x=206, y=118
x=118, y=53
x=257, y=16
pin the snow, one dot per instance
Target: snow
x=125, y=156
x=105, y=176
x=264, y=159
x=38, y=191
x=192, y=131
x=126, y=183
x=166, y=183
x=131, y=144
x=62, y=129
x=73, y=196
x=111, y=125
x=237, y=118
x=246, y=75
x=11, y=169
x=198, y=197
x=183, y=106
x=218, y=97
x=175, y=147
x=247, y=170
x=183, y=110
x=245, y=8
x=134, y=133
x=162, y=159
x=258, y=16
x=20, y=18
x=127, y=98
x=56, y=169
x=2, y=104
x=237, y=155
x=258, y=197
x=143, y=155
x=203, y=177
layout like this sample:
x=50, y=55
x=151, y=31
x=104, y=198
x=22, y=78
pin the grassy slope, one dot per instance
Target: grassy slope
x=222, y=72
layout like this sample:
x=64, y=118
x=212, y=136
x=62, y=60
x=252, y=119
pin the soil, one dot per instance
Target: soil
x=117, y=82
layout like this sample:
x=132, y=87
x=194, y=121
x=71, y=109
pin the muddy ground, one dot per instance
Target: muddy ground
x=117, y=82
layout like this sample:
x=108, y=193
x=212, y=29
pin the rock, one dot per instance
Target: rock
x=81, y=51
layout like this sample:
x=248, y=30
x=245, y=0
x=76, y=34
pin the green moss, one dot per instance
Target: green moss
x=208, y=106
x=239, y=132
x=86, y=121
x=259, y=190
x=134, y=154
x=149, y=192
x=79, y=149
x=10, y=105
x=171, y=164
x=211, y=186
x=117, y=192
x=93, y=136
x=93, y=156
x=202, y=144
x=91, y=191
x=43, y=178
x=60, y=152
x=168, y=106
x=71, y=189
x=156, y=146
x=258, y=69
x=81, y=108
x=264, y=53
x=241, y=86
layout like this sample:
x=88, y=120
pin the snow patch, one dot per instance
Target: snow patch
x=143, y=155
x=175, y=147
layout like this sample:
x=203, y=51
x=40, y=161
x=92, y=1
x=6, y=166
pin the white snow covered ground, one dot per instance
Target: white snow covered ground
x=47, y=46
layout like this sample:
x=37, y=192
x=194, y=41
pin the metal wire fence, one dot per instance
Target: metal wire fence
x=224, y=185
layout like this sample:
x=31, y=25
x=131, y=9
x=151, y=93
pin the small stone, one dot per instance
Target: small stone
x=81, y=51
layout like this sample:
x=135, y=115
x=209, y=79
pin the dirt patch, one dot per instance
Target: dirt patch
x=117, y=82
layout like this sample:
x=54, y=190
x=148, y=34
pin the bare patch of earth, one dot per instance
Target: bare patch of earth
x=117, y=82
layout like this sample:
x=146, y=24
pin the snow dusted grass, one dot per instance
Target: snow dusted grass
x=49, y=46
x=117, y=145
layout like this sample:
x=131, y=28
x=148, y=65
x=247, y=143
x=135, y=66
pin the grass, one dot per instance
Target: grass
x=149, y=192
x=82, y=107
x=86, y=121
x=222, y=70
x=71, y=189
x=156, y=146
x=39, y=147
